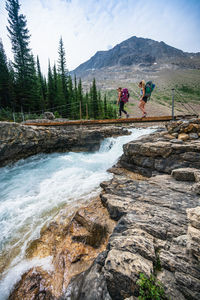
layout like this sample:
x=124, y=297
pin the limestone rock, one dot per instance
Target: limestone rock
x=122, y=270
x=196, y=188
x=184, y=174
x=158, y=154
x=193, y=215
x=183, y=137
x=193, y=233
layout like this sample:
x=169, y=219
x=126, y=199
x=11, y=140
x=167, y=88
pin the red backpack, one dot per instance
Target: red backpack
x=124, y=95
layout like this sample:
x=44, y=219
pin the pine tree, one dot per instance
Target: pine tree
x=80, y=99
x=23, y=60
x=51, y=89
x=71, y=96
x=5, y=80
x=42, y=88
x=105, y=107
x=62, y=70
x=35, y=101
x=94, y=101
x=75, y=104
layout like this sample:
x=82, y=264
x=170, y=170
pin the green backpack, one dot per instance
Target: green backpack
x=149, y=87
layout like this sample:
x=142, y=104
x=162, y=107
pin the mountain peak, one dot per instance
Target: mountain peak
x=138, y=51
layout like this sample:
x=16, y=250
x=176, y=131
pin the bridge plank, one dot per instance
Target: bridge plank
x=109, y=121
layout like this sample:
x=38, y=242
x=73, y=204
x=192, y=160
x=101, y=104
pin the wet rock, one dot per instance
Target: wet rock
x=73, y=243
x=36, y=286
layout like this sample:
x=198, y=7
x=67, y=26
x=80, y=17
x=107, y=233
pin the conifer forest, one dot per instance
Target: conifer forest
x=24, y=90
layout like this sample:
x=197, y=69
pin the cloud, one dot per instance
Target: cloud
x=91, y=25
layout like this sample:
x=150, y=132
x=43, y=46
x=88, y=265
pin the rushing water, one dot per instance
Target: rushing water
x=33, y=191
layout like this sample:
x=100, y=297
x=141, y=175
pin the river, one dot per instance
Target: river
x=34, y=190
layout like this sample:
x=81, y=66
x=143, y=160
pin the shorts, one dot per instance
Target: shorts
x=145, y=98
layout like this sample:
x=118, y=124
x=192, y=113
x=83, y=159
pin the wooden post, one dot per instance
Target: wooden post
x=172, y=104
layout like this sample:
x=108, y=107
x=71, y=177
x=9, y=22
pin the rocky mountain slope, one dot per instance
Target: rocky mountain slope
x=141, y=52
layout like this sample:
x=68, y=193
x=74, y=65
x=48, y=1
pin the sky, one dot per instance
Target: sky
x=88, y=26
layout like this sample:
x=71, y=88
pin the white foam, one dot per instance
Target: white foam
x=15, y=274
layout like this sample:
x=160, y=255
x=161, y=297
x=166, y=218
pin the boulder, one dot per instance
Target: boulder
x=184, y=174
x=49, y=115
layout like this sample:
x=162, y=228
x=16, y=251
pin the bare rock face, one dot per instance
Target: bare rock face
x=21, y=141
x=159, y=153
x=193, y=234
x=151, y=236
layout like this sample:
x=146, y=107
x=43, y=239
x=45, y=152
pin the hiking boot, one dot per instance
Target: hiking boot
x=127, y=116
x=144, y=115
x=119, y=117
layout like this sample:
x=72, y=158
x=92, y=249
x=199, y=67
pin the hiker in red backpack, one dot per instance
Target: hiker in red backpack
x=123, y=96
x=143, y=98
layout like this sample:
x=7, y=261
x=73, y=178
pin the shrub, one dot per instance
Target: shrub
x=150, y=289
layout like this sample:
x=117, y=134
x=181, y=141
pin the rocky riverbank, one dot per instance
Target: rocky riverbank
x=157, y=230
x=20, y=141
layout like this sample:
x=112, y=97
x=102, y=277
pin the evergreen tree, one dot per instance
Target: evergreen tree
x=42, y=87
x=62, y=69
x=35, y=101
x=23, y=60
x=94, y=100
x=5, y=88
x=100, y=106
x=51, y=89
x=71, y=95
x=75, y=104
x=86, y=105
x=105, y=107
x=80, y=99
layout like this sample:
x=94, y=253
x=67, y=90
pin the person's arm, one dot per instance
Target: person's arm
x=119, y=97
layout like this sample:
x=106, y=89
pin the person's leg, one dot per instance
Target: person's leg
x=122, y=108
x=142, y=107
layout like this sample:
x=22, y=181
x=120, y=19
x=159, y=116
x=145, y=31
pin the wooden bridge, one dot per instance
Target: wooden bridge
x=113, y=121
